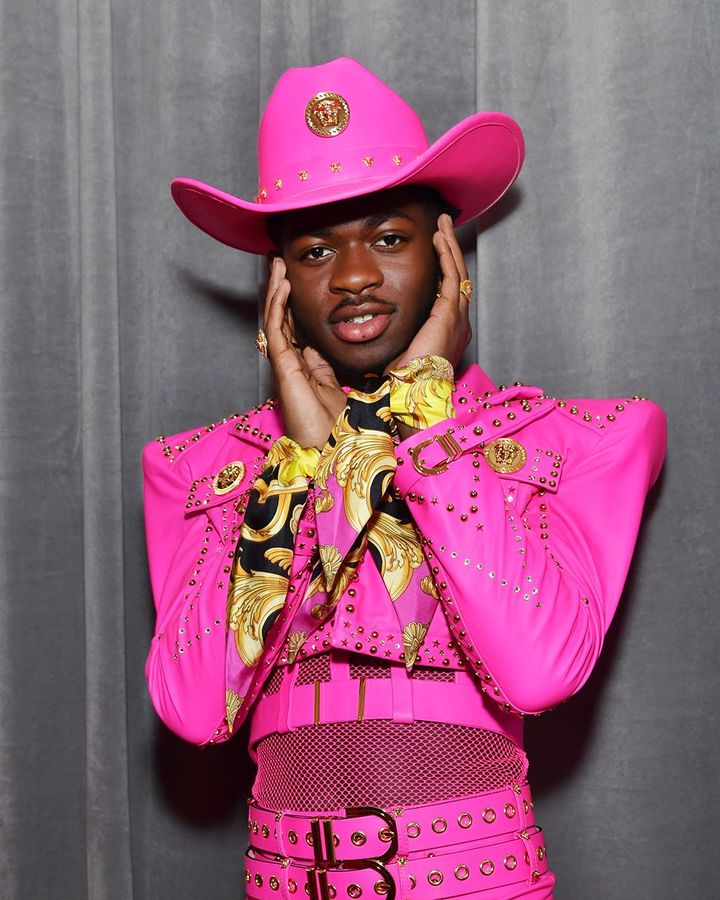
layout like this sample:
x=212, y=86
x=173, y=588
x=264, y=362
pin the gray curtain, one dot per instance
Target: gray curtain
x=598, y=275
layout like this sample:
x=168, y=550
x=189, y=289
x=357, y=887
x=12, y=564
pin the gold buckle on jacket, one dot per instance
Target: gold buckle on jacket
x=325, y=859
x=448, y=443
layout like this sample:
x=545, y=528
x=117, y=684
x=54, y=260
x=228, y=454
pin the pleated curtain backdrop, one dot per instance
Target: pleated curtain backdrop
x=597, y=275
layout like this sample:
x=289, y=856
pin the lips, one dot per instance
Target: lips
x=356, y=323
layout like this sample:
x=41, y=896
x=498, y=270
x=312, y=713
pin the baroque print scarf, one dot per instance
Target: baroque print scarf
x=356, y=511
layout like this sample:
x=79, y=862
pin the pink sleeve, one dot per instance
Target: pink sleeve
x=189, y=564
x=530, y=577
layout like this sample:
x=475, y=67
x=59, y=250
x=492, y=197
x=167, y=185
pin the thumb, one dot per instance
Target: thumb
x=319, y=368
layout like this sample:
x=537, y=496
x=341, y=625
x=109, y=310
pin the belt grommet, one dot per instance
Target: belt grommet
x=254, y=827
x=487, y=867
x=465, y=820
x=308, y=838
x=258, y=879
x=489, y=815
x=510, y=862
x=385, y=835
x=381, y=887
x=435, y=877
x=265, y=831
x=292, y=836
x=413, y=829
x=274, y=883
x=292, y=886
x=462, y=872
x=413, y=881
x=247, y=874
x=439, y=825
x=358, y=838
x=526, y=805
x=541, y=853
x=509, y=810
x=354, y=891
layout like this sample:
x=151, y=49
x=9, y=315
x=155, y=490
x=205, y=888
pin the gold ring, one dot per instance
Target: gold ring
x=262, y=344
x=466, y=289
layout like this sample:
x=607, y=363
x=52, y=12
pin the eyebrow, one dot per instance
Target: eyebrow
x=369, y=223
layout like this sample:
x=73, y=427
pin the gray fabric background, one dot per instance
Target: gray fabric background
x=598, y=275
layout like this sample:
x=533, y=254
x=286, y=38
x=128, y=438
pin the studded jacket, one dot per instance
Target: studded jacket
x=528, y=510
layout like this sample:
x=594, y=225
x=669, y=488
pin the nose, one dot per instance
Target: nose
x=355, y=271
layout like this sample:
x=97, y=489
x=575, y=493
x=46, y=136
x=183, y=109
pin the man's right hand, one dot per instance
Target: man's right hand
x=311, y=399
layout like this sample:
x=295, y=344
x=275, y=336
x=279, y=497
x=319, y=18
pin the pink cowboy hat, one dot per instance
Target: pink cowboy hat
x=336, y=131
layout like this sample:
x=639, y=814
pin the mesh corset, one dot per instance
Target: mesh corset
x=378, y=762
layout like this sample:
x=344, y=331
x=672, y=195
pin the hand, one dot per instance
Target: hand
x=447, y=331
x=310, y=397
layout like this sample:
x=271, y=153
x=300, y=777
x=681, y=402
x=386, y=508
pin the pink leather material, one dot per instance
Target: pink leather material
x=544, y=572
x=382, y=146
x=432, y=701
x=420, y=829
x=465, y=871
x=528, y=582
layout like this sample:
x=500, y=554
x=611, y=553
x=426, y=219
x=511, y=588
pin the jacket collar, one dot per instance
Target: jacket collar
x=263, y=424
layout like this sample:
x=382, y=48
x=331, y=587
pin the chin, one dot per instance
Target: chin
x=354, y=367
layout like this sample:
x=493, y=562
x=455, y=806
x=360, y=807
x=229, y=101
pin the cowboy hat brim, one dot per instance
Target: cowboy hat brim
x=472, y=165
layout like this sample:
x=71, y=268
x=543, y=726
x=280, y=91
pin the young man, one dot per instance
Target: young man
x=392, y=565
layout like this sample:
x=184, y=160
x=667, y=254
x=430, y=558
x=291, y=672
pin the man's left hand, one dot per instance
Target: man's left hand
x=447, y=331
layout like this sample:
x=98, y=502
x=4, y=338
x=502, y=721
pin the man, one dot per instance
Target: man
x=392, y=565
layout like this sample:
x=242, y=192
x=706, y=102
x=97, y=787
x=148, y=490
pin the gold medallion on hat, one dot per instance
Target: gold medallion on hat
x=505, y=455
x=327, y=114
x=229, y=477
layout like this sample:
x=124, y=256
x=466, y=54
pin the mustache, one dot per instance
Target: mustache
x=358, y=300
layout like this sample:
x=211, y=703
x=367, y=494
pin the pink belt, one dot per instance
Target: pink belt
x=453, y=848
x=398, y=698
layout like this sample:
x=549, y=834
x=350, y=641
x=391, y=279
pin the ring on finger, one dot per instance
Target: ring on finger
x=466, y=288
x=262, y=344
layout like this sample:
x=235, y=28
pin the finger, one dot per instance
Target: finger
x=280, y=349
x=450, y=285
x=277, y=273
x=447, y=230
x=319, y=368
x=290, y=326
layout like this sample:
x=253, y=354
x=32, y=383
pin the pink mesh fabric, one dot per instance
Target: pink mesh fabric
x=382, y=763
x=315, y=668
x=368, y=668
x=272, y=685
x=428, y=674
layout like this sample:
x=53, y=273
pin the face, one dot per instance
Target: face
x=363, y=275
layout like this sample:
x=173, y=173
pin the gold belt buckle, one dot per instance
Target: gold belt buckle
x=325, y=859
x=452, y=449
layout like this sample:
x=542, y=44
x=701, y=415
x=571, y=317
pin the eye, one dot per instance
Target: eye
x=316, y=253
x=389, y=240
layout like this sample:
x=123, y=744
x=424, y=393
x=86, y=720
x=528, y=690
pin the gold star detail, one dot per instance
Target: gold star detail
x=368, y=161
x=335, y=167
x=397, y=160
x=303, y=174
x=278, y=184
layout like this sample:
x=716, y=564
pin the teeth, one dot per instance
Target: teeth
x=358, y=320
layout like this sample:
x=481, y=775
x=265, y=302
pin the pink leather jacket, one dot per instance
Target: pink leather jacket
x=529, y=563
